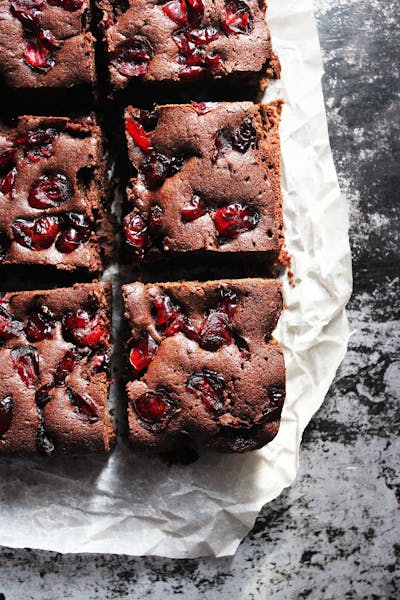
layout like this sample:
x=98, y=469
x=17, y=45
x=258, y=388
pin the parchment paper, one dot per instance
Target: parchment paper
x=136, y=505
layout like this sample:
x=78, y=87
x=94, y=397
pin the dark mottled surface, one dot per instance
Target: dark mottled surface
x=332, y=535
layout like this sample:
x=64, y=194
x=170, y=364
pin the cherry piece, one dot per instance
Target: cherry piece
x=215, y=330
x=9, y=326
x=84, y=329
x=28, y=12
x=78, y=233
x=196, y=62
x=84, y=405
x=155, y=170
x=143, y=352
x=276, y=397
x=148, y=118
x=202, y=36
x=69, y=5
x=138, y=134
x=196, y=9
x=36, y=144
x=39, y=52
x=234, y=219
x=50, y=190
x=6, y=414
x=136, y=233
x=208, y=386
x=194, y=209
x=170, y=319
x=245, y=136
x=8, y=172
x=64, y=367
x=203, y=108
x=43, y=395
x=26, y=361
x=43, y=443
x=132, y=57
x=222, y=142
x=4, y=246
x=38, y=234
x=177, y=11
x=238, y=18
x=39, y=325
x=101, y=363
x=155, y=410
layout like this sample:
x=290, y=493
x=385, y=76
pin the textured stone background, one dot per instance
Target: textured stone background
x=332, y=535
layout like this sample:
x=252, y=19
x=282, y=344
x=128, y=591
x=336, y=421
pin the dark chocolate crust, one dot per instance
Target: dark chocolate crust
x=250, y=178
x=246, y=59
x=73, y=58
x=254, y=380
x=75, y=151
x=59, y=426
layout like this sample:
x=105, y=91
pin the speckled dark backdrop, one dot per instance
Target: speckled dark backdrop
x=334, y=533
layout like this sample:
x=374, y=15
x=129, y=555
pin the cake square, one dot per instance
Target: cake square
x=53, y=194
x=207, y=178
x=46, y=45
x=188, y=42
x=203, y=364
x=54, y=371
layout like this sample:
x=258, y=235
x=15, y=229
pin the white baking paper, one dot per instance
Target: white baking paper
x=136, y=505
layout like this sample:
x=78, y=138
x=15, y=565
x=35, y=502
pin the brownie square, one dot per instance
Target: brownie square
x=207, y=179
x=203, y=365
x=188, y=42
x=46, y=44
x=54, y=371
x=53, y=194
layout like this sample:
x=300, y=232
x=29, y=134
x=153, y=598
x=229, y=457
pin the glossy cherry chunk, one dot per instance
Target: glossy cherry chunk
x=39, y=325
x=26, y=363
x=155, y=410
x=155, y=170
x=194, y=209
x=138, y=134
x=143, y=352
x=9, y=325
x=202, y=108
x=208, y=386
x=234, y=219
x=65, y=367
x=245, y=136
x=238, y=18
x=136, y=233
x=8, y=172
x=77, y=232
x=215, y=330
x=86, y=330
x=177, y=11
x=28, y=12
x=39, y=51
x=50, y=190
x=6, y=414
x=131, y=58
x=36, y=144
x=84, y=405
x=38, y=234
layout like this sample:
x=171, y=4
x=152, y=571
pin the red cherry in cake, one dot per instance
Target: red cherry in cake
x=177, y=11
x=78, y=232
x=101, y=363
x=28, y=12
x=131, y=58
x=203, y=108
x=9, y=325
x=215, y=331
x=148, y=118
x=245, y=136
x=202, y=35
x=234, y=219
x=155, y=410
x=36, y=144
x=39, y=53
x=26, y=363
x=155, y=170
x=86, y=330
x=138, y=134
x=84, y=405
x=136, y=233
x=38, y=234
x=194, y=209
x=196, y=10
x=43, y=395
x=6, y=414
x=238, y=18
x=170, y=319
x=50, y=190
x=208, y=386
x=8, y=172
x=143, y=352
x=39, y=325
x=65, y=367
